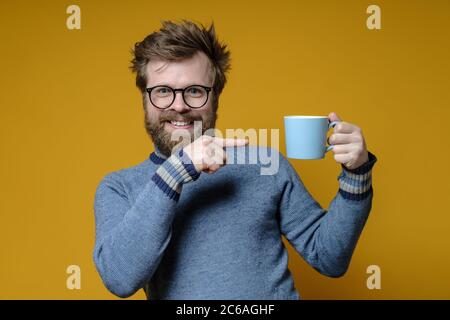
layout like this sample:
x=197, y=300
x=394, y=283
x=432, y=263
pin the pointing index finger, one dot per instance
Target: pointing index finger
x=230, y=142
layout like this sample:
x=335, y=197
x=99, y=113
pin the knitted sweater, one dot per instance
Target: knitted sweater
x=179, y=234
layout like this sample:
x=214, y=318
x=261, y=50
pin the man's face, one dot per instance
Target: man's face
x=160, y=124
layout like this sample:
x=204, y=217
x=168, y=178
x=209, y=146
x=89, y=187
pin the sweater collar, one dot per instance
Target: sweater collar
x=157, y=157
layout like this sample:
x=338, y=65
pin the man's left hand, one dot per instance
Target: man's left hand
x=349, y=146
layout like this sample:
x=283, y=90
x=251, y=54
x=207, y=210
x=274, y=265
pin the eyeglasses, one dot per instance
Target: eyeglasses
x=163, y=97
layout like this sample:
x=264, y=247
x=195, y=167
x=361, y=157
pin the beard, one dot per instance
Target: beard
x=163, y=139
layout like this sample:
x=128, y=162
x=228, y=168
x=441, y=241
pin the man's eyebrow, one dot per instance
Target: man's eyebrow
x=180, y=87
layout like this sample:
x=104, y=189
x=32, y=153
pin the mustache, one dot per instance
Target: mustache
x=174, y=116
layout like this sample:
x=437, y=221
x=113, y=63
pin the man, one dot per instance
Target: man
x=179, y=233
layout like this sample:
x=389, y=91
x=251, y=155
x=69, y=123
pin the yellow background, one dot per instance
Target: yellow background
x=70, y=114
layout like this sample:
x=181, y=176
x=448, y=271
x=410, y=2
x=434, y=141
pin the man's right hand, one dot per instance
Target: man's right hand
x=207, y=153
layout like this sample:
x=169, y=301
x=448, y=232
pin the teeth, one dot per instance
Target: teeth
x=180, y=123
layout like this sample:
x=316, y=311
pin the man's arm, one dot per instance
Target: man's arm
x=131, y=237
x=326, y=239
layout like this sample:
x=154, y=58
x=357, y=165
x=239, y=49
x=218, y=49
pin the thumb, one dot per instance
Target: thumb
x=333, y=117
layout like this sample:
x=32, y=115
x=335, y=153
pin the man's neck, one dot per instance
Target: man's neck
x=158, y=153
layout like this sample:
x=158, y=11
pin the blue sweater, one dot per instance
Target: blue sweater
x=179, y=234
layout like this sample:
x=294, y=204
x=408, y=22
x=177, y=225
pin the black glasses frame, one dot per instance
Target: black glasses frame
x=174, y=91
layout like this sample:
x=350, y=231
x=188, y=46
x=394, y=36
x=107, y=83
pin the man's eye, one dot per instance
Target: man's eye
x=194, y=92
x=162, y=91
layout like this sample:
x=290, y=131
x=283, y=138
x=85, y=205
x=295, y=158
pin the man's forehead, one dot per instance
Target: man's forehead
x=197, y=67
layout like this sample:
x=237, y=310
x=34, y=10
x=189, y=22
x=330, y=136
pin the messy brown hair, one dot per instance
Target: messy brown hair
x=177, y=41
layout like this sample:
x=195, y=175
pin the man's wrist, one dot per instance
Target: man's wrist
x=175, y=171
x=356, y=184
x=365, y=167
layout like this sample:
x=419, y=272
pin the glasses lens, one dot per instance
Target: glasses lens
x=195, y=96
x=162, y=96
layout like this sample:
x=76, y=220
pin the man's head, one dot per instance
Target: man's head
x=179, y=56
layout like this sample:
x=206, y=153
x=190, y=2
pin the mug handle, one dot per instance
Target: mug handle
x=331, y=125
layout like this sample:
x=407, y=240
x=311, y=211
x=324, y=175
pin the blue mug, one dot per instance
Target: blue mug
x=306, y=136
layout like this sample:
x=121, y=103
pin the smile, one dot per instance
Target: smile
x=180, y=124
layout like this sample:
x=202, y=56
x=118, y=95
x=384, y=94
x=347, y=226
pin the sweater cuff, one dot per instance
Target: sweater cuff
x=173, y=173
x=356, y=184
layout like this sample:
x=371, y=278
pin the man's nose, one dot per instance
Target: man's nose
x=178, y=104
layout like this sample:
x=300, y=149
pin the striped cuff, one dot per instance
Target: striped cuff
x=356, y=184
x=173, y=173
